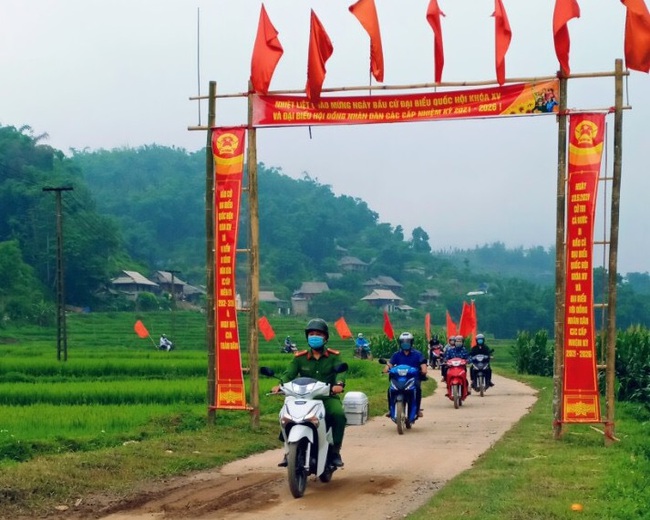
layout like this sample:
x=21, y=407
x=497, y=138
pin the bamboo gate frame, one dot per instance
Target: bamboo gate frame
x=609, y=334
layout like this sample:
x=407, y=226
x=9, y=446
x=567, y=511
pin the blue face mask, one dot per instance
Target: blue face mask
x=405, y=346
x=479, y=341
x=316, y=341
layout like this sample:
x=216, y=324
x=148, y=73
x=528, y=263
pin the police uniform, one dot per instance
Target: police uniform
x=304, y=364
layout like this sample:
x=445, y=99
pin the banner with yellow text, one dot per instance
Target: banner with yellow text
x=581, y=401
x=509, y=100
x=228, y=152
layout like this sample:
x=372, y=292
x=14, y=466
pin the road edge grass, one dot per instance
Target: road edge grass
x=527, y=474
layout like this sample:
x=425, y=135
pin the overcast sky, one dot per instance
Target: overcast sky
x=107, y=74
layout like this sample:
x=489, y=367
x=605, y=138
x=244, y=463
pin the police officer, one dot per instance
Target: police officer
x=319, y=362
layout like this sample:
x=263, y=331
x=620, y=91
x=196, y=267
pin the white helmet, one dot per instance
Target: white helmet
x=359, y=335
x=405, y=340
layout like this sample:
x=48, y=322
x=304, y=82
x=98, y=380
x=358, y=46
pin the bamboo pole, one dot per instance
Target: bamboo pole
x=610, y=373
x=254, y=265
x=209, y=256
x=560, y=264
x=534, y=79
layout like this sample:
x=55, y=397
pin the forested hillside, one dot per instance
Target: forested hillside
x=144, y=209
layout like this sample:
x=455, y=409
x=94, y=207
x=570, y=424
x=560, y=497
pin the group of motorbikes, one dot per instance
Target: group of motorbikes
x=308, y=440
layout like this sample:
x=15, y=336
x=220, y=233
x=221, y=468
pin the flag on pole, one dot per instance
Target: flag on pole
x=564, y=11
x=366, y=13
x=342, y=328
x=320, y=50
x=467, y=323
x=637, y=35
x=427, y=326
x=452, y=329
x=502, y=37
x=266, y=329
x=433, y=17
x=140, y=329
x=388, y=328
x=267, y=52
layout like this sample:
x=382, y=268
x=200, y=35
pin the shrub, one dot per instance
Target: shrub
x=532, y=354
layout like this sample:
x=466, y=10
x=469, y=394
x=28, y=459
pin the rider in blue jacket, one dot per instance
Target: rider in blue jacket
x=455, y=350
x=407, y=355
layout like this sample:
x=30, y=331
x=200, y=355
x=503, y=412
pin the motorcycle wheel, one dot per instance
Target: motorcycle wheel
x=481, y=385
x=296, y=470
x=400, y=416
x=455, y=392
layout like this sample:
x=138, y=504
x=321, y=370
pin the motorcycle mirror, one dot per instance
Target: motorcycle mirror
x=266, y=371
x=341, y=368
x=382, y=361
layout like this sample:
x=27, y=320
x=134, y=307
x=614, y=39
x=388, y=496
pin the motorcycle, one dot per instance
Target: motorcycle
x=363, y=352
x=403, y=380
x=435, y=357
x=289, y=348
x=457, y=380
x=480, y=363
x=307, y=439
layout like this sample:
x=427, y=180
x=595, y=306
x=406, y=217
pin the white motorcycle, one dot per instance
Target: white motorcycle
x=307, y=439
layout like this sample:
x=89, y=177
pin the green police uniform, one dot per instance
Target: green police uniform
x=304, y=364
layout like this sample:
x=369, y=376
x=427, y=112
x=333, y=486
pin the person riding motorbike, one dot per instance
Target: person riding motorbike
x=407, y=355
x=288, y=345
x=481, y=348
x=456, y=350
x=451, y=343
x=164, y=343
x=434, y=343
x=362, y=346
x=319, y=362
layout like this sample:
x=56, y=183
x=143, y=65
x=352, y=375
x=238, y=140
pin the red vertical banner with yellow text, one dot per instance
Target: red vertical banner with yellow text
x=228, y=153
x=580, y=402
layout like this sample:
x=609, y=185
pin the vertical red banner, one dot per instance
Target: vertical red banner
x=581, y=399
x=228, y=152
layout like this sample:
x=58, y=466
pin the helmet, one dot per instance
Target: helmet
x=405, y=340
x=164, y=335
x=359, y=335
x=319, y=325
x=451, y=338
x=480, y=339
x=459, y=340
x=434, y=339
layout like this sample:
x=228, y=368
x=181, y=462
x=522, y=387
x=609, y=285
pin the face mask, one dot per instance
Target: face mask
x=479, y=341
x=316, y=341
x=406, y=346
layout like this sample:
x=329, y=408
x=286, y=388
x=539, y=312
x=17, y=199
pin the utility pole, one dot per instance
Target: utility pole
x=61, y=334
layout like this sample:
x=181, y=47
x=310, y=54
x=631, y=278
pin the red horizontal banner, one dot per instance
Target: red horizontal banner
x=517, y=99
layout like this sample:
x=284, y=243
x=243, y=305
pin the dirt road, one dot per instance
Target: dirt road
x=374, y=484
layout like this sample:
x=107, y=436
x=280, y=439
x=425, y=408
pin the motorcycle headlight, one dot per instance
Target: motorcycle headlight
x=285, y=419
x=312, y=418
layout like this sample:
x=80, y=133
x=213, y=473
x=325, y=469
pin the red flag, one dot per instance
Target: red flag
x=266, y=54
x=433, y=17
x=140, y=329
x=342, y=328
x=452, y=329
x=465, y=324
x=637, y=35
x=502, y=37
x=265, y=328
x=320, y=50
x=564, y=11
x=366, y=13
x=388, y=328
x=427, y=326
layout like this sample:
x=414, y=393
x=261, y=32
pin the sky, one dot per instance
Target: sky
x=102, y=75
